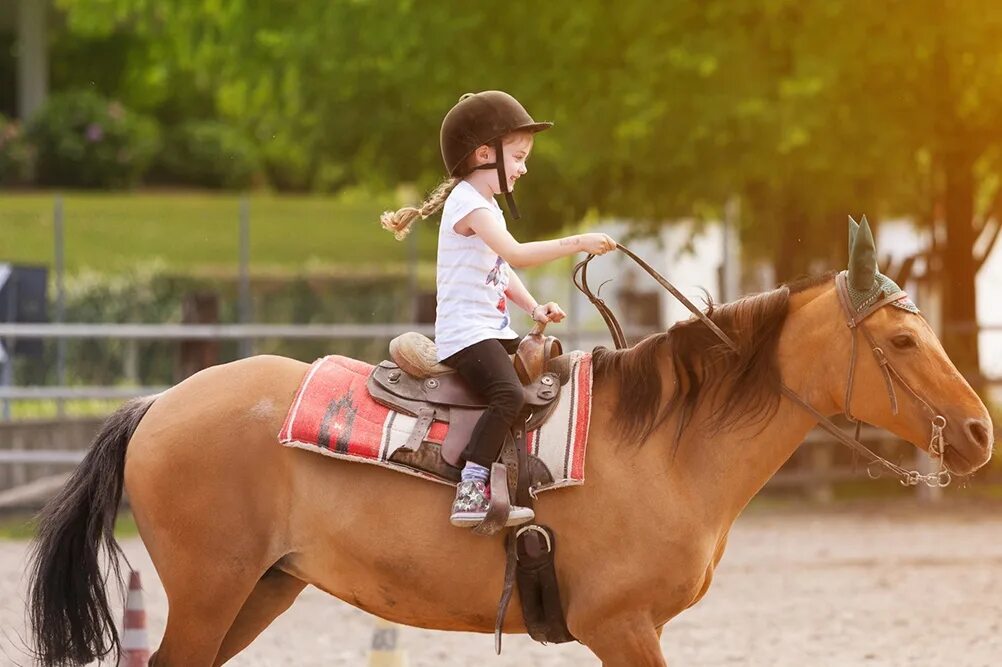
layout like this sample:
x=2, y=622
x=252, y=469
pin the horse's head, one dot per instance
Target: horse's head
x=889, y=369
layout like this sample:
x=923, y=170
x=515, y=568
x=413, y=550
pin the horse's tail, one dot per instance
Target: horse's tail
x=68, y=610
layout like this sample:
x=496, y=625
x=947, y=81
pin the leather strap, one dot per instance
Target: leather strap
x=618, y=339
x=507, y=589
x=853, y=319
x=885, y=367
x=425, y=416
x=522, y=497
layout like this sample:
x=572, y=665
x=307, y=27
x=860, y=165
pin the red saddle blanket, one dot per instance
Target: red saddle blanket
x=334, y=415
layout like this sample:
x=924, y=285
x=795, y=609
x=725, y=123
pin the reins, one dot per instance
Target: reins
x=940, y=478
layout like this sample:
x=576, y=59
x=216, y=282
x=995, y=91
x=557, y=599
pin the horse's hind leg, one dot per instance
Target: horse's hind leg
x=208, y=571
x=200, y=612
x=273, y=594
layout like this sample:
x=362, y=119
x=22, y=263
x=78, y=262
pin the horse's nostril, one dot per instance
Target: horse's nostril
x=979, y=433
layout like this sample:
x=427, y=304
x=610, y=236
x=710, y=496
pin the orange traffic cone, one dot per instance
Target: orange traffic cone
x=135, y=640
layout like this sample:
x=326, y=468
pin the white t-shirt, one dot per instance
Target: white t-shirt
x=471, y=279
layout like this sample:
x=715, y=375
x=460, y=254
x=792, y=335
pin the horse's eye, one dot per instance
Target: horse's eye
x=903, y=342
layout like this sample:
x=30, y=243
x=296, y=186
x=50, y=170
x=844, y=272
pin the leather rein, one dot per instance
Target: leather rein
x=937, y=445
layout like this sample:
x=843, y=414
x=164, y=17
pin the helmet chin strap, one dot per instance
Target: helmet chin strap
x=502, y=178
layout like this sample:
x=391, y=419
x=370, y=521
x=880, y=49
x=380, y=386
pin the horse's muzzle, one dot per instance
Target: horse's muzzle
x=969, y=447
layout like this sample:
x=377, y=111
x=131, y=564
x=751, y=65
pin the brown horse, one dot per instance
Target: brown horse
x=237, y=525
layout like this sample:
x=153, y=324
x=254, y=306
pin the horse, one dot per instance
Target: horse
x=684, y=432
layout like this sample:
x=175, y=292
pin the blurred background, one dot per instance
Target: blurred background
x=185, y=183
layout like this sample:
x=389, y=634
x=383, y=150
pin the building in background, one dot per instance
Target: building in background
x=690, y=256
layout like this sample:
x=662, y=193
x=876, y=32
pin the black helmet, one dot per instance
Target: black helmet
x=484, y=118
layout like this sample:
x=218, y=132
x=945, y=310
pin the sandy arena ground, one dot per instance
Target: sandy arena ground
x=881, y=584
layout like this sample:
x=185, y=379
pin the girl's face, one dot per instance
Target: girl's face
x=517, y=147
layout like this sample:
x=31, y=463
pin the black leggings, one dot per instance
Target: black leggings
x=487, y=369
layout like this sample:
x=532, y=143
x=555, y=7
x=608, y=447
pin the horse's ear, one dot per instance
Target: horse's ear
x=853, y=228
x=863, y=259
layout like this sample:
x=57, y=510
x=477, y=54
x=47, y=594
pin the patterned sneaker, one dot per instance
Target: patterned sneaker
x=473, y=497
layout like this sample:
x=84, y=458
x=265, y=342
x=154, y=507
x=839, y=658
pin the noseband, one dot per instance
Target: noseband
x=854, y=320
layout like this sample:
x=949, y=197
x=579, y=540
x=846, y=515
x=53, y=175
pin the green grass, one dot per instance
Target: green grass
x=198, y=230
x=22, y=527
x=48, y=409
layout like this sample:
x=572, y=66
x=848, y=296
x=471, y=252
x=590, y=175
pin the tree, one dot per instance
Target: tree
x=806, y=111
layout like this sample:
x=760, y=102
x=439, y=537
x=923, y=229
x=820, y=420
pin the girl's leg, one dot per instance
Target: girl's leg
x=488, y=370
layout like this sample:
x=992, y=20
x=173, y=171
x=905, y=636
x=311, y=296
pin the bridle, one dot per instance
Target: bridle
x=855, y=321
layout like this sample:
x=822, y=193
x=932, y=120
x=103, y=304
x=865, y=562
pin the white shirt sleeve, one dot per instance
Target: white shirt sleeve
x=461, y=202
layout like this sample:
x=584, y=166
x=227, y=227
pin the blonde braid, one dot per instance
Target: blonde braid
x=399, y=222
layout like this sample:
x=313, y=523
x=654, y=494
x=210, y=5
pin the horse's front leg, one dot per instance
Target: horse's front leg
x=630, y=641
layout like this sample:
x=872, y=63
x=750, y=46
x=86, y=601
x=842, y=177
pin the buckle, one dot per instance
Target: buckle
x=537, y=529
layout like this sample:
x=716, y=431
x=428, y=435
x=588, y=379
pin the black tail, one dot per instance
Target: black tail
x=71, y=621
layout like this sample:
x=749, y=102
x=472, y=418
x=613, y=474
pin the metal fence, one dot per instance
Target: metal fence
x=34, y=456
x=573, y=337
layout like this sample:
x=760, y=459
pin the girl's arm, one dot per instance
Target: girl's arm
x=522, y=255
x=518, y=293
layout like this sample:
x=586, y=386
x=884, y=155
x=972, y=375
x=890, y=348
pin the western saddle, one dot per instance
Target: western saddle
x=415, y=383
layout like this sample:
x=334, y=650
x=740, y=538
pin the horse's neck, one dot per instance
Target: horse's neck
x=730, y=466
x=727, y=468
x=709, y=475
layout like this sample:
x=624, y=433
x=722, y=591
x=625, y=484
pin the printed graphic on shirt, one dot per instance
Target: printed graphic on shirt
x=494, y=277
x=499, y=278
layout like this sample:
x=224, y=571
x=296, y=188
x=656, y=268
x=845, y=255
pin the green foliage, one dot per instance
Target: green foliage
x=118, y=65
x=50, y=409
x=142, y=294
x=85, y=140
x=17, y=156
x=289, y=168
x=803, y=111
x=152, y=294
x=207, y=154
x=800, y=112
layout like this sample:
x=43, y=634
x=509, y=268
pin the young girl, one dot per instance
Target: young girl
x=486, y=140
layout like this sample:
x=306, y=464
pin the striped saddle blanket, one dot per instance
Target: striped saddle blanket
x=334, y=415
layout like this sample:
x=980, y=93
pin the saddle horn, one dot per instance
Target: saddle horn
x=534, y=352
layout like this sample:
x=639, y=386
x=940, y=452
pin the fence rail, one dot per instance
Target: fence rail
x=43, y=456
x=30, y=452
x=573, y=336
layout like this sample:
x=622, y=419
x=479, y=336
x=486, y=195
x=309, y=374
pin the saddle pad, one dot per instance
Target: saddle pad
x=334, y=415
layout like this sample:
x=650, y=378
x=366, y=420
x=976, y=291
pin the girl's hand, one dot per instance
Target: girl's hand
x=597, y=243
x=548, y=312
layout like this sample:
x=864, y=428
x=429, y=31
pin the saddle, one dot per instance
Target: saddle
x=447, y=398
x=415, y=383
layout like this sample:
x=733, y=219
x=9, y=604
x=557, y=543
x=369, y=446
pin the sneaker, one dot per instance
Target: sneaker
x=473, y=497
